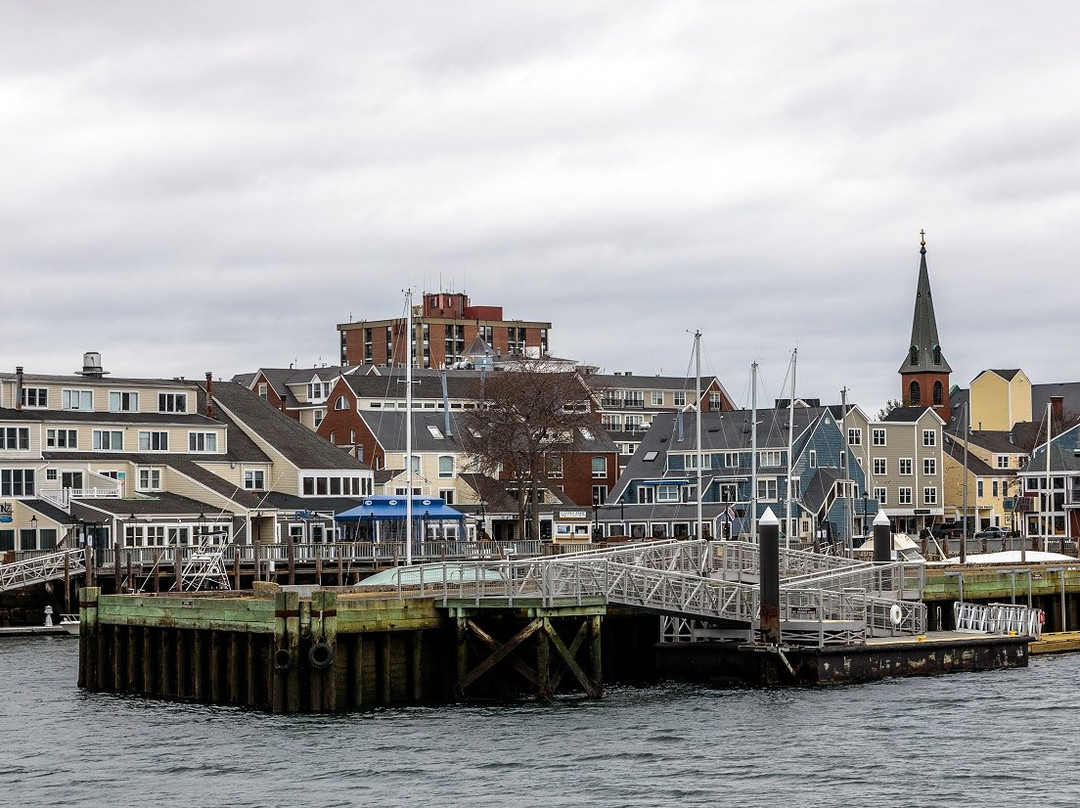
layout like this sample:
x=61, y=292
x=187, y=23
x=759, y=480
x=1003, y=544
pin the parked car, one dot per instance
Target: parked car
x=992, y=532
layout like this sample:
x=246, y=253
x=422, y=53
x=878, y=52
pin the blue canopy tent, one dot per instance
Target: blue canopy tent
x=382, y=518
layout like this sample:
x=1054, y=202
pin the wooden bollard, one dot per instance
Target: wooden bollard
x=236, y=570
x=178, y=564
x=88, y=630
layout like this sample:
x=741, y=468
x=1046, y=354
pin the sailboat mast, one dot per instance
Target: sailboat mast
x=408, y=428
x=1049, y=492
x=697, y=419
x=790, y=444
x=753, y=452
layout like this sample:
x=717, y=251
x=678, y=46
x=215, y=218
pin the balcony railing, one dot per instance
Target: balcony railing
x=63, y=496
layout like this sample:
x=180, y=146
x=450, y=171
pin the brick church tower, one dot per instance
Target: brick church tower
x=925, y=373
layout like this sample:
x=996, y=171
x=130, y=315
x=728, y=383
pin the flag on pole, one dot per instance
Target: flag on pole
x=730, y=513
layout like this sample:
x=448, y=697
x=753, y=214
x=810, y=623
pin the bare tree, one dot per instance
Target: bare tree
x=890, y=405
x=526, y=416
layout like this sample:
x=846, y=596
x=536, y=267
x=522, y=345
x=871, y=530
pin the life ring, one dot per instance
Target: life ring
x=321, y=655
x=1042, y=617
x=896, y=614
x=283, y=659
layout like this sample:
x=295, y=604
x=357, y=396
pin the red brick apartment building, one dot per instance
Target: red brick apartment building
x=443, y=326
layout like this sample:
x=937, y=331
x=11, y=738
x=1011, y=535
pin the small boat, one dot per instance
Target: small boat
x=70, y=623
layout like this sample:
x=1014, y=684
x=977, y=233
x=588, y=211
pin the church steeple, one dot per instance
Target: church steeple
x=925, y=373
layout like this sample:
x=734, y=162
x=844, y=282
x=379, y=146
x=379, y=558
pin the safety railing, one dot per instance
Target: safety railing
x=999, y=618
x=51, y=567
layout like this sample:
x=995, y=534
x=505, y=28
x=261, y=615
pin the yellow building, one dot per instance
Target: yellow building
x=999, y=399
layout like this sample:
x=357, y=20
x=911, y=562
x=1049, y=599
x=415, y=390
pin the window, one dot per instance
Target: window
x=17, y=482
x=770, y=458
x=253, y=480
x=656, y=398
x=262, y=391
x=172, y=402
x=878, y=437
x=446, y=466
x=1002, y=461
x=120, y=401
x=317, y=417
x=766, y=489
x=939, y=394
x=7, y=540
x=447, y=495
x=905, y=496
x=937, y=355
x=914, y=393
x=929, y=495
x=645, y=494
x=813, y=458
x=929, y=466
x=881, y=465
x=729, y=492
x=341, y=403
x=913, y=355
x=77, y=400
x=202, y=441
x=62, y=439
x=714, y=402
x=153, y=441
x=679, y=399
x=18, y=437
x=108, y=439
x=979, y=488
x=35, y=397
x=149, y=479
x=994, y=487
x=318, y=391
x=854, y=436
x=929, y=437
x=555, y=467
x=635, y=423
x=667, y=493
x=599, y=494
x=599, y=467
x=905, y=465
x=843, y=460
x=337, y=485
x=881, y=495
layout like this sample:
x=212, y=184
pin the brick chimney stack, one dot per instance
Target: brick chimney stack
x=1057, y=414
x=209, y=394
x=19, y=387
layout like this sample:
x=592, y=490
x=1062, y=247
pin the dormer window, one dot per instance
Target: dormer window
x=937, y=354
x=913, y=355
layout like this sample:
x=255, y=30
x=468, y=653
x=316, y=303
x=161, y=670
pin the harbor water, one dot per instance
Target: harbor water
x=1001, y=738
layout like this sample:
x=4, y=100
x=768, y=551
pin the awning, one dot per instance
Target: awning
x=393, y=509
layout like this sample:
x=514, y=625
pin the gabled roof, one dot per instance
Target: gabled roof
x=298, y=444
x=1064, y=454
x=924, y=333
x=1041, y=393
x=428, y=430
x=460, y=384
x=159, y=504
x=974, y=464
x=32, y=415
x=906, y=415
x=817, y=490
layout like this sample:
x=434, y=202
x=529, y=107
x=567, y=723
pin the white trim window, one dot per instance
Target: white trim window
x=36, y=397
x=341, y=403
x=767, y=489
x=854, y=436
x=771, y=458
x=108, y=440
x=153, y=441
x=317, y=417
x=905, y=496
x=813, y=458
x=172, y=402
x=599, y=468
x=881, y=466
x=881, y=494
x=1002, y=461
x=664, y=493
x=679, y=399
x=254, y=480
x=929, y=437
x=446, y=466
x=123, y=401
x=18, y=437
x=905, y=464
x=61, y=439
x=929, y=495
x=77, y=399
x=929, y=466
x=555, y=467
x=878, y=437
x=149, y=478
x=202, y=441
x=656, y=398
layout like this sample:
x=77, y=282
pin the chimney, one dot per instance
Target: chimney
x=209, y=394
x=1057, y=414
x=19, y=387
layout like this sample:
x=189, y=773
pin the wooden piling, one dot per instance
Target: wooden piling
x=290, y=549
x=178, y=565
x=286, y=652
x=236, y=570
x=597, y=653
x=67, y=584
x=157, y=572
x=116, y=567
x=88, y=630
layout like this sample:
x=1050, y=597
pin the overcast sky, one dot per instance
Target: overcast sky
x=214, y=186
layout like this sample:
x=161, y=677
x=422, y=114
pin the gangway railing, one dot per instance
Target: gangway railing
x=42, y=568
x=999, y=618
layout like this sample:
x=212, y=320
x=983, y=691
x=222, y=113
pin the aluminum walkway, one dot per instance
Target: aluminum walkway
x=42, y=568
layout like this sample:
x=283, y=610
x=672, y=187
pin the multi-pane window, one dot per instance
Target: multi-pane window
x=555, y=467
x=35, y=397
x=77, y=399
x=877, y=436
x=667, y=493
x=172, y=402
x=813, y=458
x=881, y=465
x=17, y=482
x=149, y=479
x=317, y=417
x=318, y=391
x=263, y=389
x=843, y=460
x=929, y=495
x=905, y=465
x=854, y=436
x=770, y=458
x=446, y=466
x=16, y=437
x=714, y=402
x=153, y=441
x=767, y=489
x=599, y=467
x=108, y=439
x=325, y=485
x=679, y=399
x=881, y=495
x=929, y=466
x=929, y=437
x=253, y=480
x=599, y=494
x=979, y=488
x=202, y=441
x=1002, y=461
x=61, y=438
x=656, y=398
x=122, y=401
x=904, y=497
x=994, y=487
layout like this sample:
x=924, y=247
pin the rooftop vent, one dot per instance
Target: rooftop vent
x=92, y=365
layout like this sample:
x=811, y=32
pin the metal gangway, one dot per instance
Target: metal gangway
x=998, y=618
x=697, y=583
x=41, y=568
